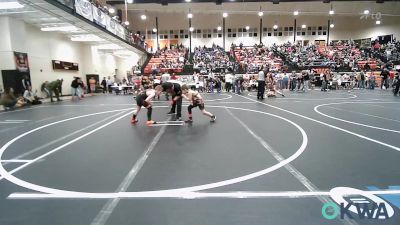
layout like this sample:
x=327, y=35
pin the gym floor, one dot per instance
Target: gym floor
x=276, y=161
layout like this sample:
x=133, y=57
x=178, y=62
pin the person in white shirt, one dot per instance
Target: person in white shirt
x=228, y=82
x=30, y=97
x=157, y=81
x=109, y=84
x=201, y=84
x=261, y=84
x=165, y=77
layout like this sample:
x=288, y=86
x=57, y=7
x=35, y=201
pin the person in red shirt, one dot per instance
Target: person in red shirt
x=173, y=77
x=377, y=46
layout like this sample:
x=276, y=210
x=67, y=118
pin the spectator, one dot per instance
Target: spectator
x=109, y=84
x=384, y=76
x=74, y=89
x=104, y=85
x=92, y=85
x=53, y=88
x=9, y=101
x=30, y=97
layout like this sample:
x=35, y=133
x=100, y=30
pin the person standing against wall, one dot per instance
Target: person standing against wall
x=26, y=83
x=92, y=85
x=109, y=84
x=104, y=85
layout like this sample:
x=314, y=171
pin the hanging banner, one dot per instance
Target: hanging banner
x=84, y=8
x=21, y=61
x=120, y=31
x=110, y=24
x=99, y=16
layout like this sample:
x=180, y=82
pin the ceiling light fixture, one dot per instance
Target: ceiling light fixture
x=377, y=22
x=366, y=12
x=130, y=1
x=303, y=26
x=296, y=13
x=260, y=13
x=126, y=23
x=111, y=10
x=191, y=29
x=331, y=12
x=275, y=27
x=154, y=30
x=224, y=14
x=219, y=28
x=143, y=17
x=332, y=25
x=190, y=15
x=247, y=27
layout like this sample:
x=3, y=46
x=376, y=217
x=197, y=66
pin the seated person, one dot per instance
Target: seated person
x=30, y=97
x=9, y=101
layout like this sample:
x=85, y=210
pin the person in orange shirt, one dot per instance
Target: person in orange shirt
x=92, y=85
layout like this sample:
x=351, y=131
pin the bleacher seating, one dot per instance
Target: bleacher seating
x=167, y=60
x=253, y=58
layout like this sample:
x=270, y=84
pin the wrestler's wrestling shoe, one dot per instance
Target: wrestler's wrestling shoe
x=134, y=121
x=213, y=118
x=151, y=122
x=189, y=121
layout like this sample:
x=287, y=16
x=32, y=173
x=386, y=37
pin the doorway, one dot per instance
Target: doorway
x=13, y=79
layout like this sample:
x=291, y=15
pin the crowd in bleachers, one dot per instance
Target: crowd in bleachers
x=297, y=56
x=211, y=59
x=166, y=59
x=252, y=59
x=138, y=39
x=387, y=53
x=339, y=56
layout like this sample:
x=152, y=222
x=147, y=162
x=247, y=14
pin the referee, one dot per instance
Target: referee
x=174, y=88
x=261, y=84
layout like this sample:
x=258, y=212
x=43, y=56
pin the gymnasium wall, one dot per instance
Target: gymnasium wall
x=348, y=23
x=43, y=47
